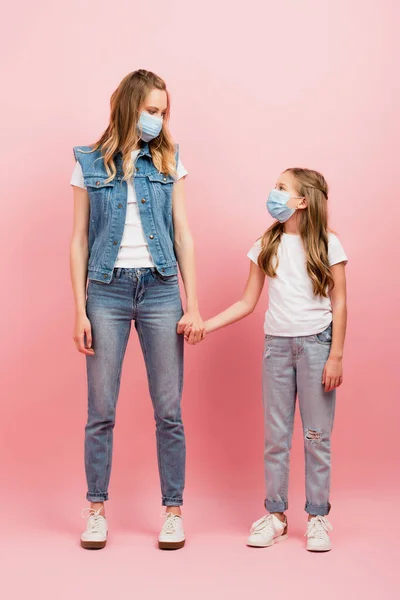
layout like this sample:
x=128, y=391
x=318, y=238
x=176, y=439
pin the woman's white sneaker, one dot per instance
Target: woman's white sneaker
x=172, y=535
x=318, y=539
x=95, y=535
x=266, y=531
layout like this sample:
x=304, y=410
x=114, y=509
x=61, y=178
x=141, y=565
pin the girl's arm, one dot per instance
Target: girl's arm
x=78, y=264
x=333, y=371
x=246, y=304
x=184, y=248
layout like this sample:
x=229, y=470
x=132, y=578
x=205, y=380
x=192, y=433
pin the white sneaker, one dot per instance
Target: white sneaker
x=172, y=535
x=317, y=534
x=266, y=531
x=95, y=535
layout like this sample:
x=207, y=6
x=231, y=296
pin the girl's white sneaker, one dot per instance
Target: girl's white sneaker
x=318, y=539
x=266, y=531
x=172, y=535
x=95, y=535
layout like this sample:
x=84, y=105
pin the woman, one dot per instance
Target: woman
x=130, y=234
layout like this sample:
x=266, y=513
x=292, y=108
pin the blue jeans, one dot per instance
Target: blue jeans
x=294, y=367
x=153, y=302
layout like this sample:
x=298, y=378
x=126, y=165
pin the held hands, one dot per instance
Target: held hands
x=333, y=374
x=192, y=327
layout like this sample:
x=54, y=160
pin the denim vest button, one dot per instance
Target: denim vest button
x=143, y=201
x=137, y=168
x=97, y=182
x=104, y=276
x=115, y=242
x=164, y=179
x=120, y=205
x=151, y=237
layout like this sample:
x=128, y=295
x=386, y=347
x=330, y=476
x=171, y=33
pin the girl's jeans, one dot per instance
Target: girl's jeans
x=294, y=367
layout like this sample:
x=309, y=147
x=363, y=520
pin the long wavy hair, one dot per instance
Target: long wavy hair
x=313, y=228
x=122, y=135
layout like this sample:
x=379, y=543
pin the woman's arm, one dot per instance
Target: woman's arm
x=333, y=371
x=78, y=265
x=184, y=248
x=246, y=304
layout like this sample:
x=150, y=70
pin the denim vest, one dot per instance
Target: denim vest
x=108, y=203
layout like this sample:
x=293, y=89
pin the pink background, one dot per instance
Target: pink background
x=256, y=88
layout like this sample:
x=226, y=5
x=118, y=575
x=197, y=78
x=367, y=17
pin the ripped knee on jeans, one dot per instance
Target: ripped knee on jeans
x=313, y=436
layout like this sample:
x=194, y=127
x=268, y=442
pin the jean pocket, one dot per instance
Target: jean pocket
x=325, y=337
x=96, y=282
x=166, y=279
x=268, y=339
x=101, y=283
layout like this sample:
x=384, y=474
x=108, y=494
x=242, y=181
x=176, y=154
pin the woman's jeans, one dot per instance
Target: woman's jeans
x=294, y=367
x=153, y=302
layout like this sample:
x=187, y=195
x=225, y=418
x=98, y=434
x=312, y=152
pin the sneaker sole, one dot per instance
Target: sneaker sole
x=276, y=540
x=171, y=545
x=93, y=545
x=319, y=549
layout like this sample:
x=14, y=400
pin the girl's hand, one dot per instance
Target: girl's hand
x=83, y=329
x=333, y=374
x=192, y=326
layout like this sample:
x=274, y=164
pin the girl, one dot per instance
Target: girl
x=305, y=328
x=130, y=234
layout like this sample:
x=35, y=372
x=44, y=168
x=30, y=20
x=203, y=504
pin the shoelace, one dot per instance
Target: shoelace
x=318, y=527
x=170, y=522
x=94, y=518
x=263, y=523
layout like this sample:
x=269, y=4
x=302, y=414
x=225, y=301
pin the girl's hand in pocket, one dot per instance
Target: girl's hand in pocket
x=82, y=330
x=333, y=374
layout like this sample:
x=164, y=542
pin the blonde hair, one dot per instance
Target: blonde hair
x=313, y=226
x=122, y=135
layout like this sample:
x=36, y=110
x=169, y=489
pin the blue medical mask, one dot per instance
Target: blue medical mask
x=277, y=205
x=149, y=126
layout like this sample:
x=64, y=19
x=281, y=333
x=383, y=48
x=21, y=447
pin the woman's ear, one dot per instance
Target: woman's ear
x=302, y=204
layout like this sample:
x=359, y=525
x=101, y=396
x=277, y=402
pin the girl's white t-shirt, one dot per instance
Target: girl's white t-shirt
x=134, y=251
x=293, y=309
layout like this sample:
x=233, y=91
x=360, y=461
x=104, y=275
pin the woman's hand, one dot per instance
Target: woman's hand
x=192, y=327
x=82, y=330
x=333, y=374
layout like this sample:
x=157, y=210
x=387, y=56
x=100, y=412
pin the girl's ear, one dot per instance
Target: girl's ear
x=302, y=204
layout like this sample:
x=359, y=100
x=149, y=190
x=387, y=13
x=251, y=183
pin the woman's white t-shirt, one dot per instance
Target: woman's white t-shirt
x=293, y=309
x=134, y=251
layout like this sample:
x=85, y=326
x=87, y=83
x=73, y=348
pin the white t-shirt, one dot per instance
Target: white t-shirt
x=134, y=251
x=293, y=309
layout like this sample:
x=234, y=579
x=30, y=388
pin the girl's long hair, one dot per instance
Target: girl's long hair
x=122, y=135
x=313, y=226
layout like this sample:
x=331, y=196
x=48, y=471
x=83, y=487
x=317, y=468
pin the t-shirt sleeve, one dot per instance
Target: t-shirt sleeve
x=180, y=170
x=254, y=252
x=77, y=177
x=336, y=253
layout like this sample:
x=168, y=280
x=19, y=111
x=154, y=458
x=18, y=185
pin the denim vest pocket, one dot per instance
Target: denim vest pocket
x=99, y=191
x=162, y=185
